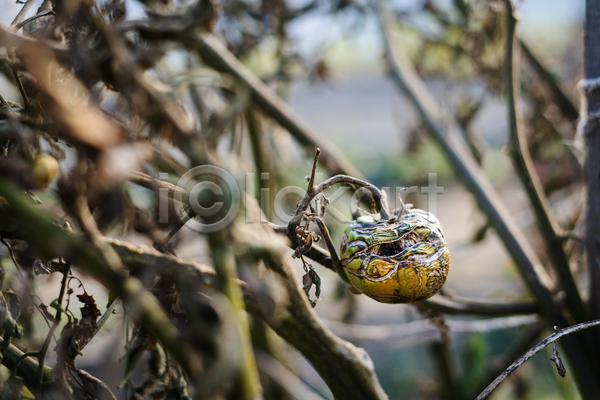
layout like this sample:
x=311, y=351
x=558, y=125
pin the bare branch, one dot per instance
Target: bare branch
x=526, y=172
x=425, y=331
x=555, y=336
x=522, y=343
x=285, y=378
x=589, y=129
x=563, y=101
x=347, y=370
x=218, y=57
x=310, y=195
x=460, y=305
x=226, y=270
x=22, y=13
x=28, y=20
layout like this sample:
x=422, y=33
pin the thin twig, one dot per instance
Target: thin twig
x=41, y=354
x=101, y=322
x=525, y=169
x=335, y=260
x=553, y=337
x=44, y=350
x=28, y=20
x=311, y=182
x=561, y=99
x=20, y=86
x=22, y=13
x=11, y=253
x=147, y=181
x=303, y=206
x=426, y=329
x=217, y=56
x=285, y=378
x=461, y=305
x=522, y=344
x=182, y=221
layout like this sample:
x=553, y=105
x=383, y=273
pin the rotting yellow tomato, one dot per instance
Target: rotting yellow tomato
x=401, y=260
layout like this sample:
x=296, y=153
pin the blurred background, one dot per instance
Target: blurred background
x=327, y=62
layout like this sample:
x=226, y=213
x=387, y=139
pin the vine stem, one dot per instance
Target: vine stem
x=335, y=260
x=520, y=361
x=311, y=182
x=313, y=190
x=44, y=350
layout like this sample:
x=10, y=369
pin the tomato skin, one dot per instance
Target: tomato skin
x=402, y=260
x=45, y=169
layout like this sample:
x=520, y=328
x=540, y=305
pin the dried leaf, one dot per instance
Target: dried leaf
x=316, y=280
x=562, y=371
x=86, y=329
x=67, y=348
x=89, y=310
x=39, y=268
x=302, y=249
x=306, y=283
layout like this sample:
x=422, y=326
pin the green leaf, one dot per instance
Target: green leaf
x=57, y=306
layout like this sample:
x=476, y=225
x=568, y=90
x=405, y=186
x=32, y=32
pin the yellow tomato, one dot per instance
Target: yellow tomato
x=401, y=260
x=44, y=171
